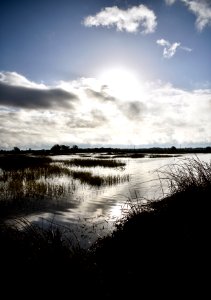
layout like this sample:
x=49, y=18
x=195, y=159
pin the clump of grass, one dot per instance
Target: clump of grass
x=87, y=177
x=137, y=155
x=110, y=163
x=189, y=174
x=96, y=180
x=112, y=180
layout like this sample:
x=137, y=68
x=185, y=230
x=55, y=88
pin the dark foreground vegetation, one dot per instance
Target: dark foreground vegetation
x=159, y=249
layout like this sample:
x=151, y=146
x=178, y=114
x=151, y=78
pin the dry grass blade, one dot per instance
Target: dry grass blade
x=187, y=174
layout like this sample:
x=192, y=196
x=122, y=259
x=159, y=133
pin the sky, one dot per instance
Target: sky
x=105, y=73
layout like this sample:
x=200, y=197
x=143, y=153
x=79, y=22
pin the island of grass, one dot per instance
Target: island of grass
x=161, y=249
x=108, y=163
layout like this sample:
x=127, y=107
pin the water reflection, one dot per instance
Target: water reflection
x=90, y=211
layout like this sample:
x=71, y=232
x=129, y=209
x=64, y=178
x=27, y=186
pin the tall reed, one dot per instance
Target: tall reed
x=188, y=174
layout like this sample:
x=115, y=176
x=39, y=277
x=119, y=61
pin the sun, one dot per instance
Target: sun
x=121, y=83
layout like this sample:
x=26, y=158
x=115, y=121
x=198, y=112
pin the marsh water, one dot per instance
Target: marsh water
x=91, y=211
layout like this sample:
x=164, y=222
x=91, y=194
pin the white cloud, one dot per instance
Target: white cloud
x=15, y=79
x=202, y=10
x=129, y=20
x=161, y=114
x=170, y=2
x=186, y=49
x=163, y=42
x=170, y=49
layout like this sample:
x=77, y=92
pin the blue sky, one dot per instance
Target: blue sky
x=117, y=73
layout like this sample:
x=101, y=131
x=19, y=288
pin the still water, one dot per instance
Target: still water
x=91, y=212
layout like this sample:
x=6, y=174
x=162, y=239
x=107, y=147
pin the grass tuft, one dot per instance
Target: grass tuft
x=188, y=174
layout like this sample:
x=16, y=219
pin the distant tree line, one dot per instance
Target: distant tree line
x=64, y=149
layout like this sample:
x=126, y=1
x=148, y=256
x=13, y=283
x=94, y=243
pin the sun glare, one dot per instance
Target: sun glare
x=121, y=83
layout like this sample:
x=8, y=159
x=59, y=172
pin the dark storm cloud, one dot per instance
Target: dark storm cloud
x=102, y=95
x=32, y=98
x=132, y=110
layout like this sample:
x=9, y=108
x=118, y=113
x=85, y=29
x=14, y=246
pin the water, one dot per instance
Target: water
x=90, y=212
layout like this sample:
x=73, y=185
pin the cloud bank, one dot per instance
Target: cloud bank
x=17, y=91
x=170, y=49
x=161, y=114
x=130, y=20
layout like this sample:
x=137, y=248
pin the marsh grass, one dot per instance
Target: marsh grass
x=34, y=173
x=105, y=163
x=26, y=181
x=18, y=200
x=30, y=182
x=163, y=155
x=96, y=180
x=156, y=250
x=130, y=155
x=17, y=189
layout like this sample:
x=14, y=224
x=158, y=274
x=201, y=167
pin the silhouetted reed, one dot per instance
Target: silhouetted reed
x=96, y=180
x=189, y=174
